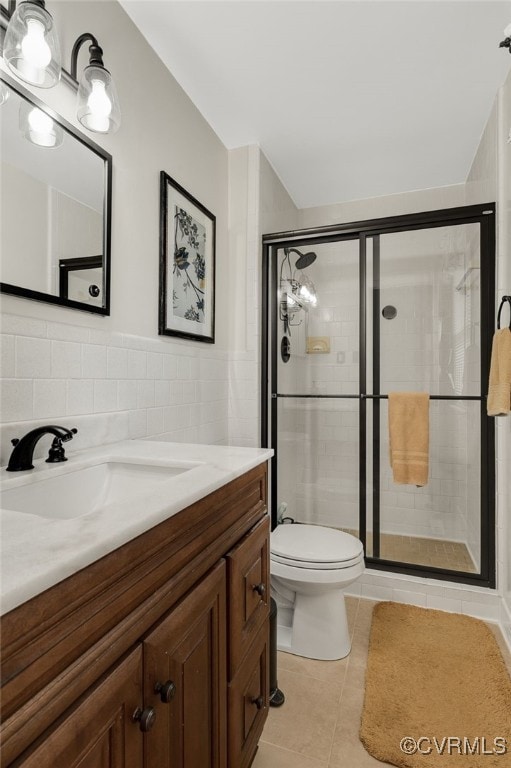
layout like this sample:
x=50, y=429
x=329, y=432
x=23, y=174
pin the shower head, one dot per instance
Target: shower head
x=304, y=260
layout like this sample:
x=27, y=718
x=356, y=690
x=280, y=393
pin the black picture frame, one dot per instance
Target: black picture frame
x=187, y=265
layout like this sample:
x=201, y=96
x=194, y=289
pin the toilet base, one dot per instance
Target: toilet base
x=314, y=626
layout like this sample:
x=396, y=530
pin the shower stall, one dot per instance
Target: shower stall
x=351, y=313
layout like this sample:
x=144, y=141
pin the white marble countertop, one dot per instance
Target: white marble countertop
x=38, y=552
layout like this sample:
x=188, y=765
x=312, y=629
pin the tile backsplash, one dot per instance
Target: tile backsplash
x=112, y=386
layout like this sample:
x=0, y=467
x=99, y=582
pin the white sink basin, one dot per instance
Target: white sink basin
x=85, y=490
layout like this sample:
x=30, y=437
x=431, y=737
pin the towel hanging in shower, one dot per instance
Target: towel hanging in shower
x=409, y=437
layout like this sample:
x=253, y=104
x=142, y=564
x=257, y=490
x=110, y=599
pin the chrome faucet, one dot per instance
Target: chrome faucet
x=23, y=453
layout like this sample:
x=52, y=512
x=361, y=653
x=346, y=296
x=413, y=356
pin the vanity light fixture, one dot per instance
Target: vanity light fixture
x=98, y=106
x=506, y=43
x=31, y=46
x=38, y=127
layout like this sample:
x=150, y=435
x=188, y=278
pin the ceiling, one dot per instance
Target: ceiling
x=347, y=98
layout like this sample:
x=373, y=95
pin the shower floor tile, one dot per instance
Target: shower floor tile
x=318, y=725
x=438, y=553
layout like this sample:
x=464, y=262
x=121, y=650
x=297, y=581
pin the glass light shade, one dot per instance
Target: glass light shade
x=31, y=46
x=38, y=127
x=306, y=290
x=4, y=93
x=98, y=106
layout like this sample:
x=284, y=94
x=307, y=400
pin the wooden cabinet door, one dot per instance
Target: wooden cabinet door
x=249, y=591
x=99, y=731
x=185, y=680
x=249, y=701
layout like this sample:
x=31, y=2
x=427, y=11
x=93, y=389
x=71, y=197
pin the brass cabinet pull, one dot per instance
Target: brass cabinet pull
x=145, y=717
x=166, y=690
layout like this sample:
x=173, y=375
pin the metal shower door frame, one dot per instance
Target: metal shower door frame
x=484, y=215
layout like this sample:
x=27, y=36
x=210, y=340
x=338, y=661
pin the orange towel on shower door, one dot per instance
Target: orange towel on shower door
x=409, y=437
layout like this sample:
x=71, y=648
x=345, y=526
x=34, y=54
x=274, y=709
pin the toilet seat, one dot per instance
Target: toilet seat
x=315, y=566
x=314, y=547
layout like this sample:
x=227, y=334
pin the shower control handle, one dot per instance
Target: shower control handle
x=260, y=589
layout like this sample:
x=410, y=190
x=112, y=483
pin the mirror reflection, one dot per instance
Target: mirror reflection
x=54, y=239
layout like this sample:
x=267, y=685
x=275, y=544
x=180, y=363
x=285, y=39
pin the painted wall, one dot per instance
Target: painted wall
x=490, y=179
x=504, y=288
x=378, y=207
x=259, y=203
x=115, y=373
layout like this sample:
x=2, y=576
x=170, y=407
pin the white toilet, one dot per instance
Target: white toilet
x=310, y=566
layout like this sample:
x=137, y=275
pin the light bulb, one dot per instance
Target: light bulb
x=100, y=107
x=4, y=93
x=39, y=122
x=34, y=47
x=39, y=128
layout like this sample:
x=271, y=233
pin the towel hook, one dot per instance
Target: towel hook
x=502, y=302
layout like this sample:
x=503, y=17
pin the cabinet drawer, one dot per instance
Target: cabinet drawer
x=249, y=592
x=249, y=701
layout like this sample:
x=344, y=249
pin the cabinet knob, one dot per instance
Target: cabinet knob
x=258, y=701
x=166, y=690
x=145, y=717
x=259, y=588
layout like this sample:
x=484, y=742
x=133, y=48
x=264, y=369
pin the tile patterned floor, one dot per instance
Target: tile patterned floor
x=318, y=725
x=438, y=553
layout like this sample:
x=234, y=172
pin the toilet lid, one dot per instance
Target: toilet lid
x=314, y=545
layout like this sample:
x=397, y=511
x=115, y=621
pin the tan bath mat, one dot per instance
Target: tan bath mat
x=437, y=691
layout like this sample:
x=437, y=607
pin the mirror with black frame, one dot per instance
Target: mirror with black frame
x=55, y=207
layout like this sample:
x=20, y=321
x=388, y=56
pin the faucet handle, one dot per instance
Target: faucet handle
x=56, y=453
x=69, y=435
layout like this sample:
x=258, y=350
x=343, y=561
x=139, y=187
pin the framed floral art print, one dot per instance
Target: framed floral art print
x=187, y=264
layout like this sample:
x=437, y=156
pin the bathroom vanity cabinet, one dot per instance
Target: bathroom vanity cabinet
x=155, y=656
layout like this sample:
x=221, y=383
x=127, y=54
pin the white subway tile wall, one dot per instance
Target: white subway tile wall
x=111, y=386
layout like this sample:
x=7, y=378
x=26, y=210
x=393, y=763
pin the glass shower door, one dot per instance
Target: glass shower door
x=316, y=385
x=404, y=304
x=427, y=323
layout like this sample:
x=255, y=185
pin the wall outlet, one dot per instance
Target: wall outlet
x=341, y=357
